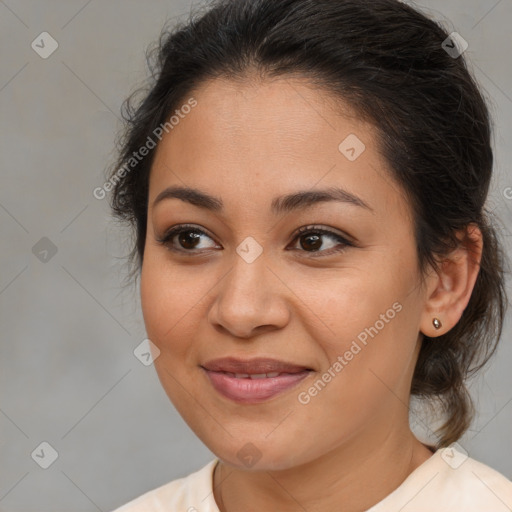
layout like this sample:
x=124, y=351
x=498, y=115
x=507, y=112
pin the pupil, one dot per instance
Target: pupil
x=184, y=239
x=316, y=242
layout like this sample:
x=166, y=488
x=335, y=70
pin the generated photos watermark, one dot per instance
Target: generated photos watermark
x=144, y=150
x=355, y=348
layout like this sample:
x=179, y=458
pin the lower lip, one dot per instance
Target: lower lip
x=251, y=391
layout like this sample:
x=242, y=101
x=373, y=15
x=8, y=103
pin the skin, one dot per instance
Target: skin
x=245, y=143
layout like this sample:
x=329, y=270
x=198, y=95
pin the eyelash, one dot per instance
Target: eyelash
x=183, y=228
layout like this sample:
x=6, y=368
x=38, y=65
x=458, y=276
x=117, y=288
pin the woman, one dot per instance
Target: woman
x=307, y=183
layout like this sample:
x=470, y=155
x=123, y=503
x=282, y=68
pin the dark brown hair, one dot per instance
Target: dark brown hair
x=388, y=62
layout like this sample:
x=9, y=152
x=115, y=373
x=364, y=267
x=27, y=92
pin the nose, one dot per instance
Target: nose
x=250, y=300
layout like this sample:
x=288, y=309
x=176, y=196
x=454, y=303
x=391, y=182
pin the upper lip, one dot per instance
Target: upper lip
x=257, y=365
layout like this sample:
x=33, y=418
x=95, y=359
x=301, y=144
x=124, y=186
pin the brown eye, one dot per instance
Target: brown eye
x=185, y=239
x=188, y=239
x=312, y=240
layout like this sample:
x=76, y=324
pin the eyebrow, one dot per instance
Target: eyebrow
x=282, y=204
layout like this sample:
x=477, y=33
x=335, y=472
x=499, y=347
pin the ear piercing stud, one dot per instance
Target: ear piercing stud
x=437, y=323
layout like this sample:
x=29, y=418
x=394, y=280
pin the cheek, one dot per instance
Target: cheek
x=175, y=300
x=169, y=297
x=171, y=304
x=368, y=329
x=155, y=298
x=346, y=302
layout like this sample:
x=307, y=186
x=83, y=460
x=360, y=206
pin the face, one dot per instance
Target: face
x=340, y=300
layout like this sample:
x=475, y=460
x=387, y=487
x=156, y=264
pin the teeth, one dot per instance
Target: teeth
x=254, y=375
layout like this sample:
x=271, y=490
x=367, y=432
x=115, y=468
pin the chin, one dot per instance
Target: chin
x=257, y=454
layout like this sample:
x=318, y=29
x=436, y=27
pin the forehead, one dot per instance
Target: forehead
x=249, y=139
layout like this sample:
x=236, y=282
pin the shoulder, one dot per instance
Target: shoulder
x=474, y=485
x=453, y=482
x=192, y=493
x=450, y=481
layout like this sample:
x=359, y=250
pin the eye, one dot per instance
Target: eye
x=188, y=238
x=311, y=240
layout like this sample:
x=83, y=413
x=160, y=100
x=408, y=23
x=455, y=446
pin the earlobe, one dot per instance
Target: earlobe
x=452, y=285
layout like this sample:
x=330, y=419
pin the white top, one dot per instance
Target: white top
x=449, y=481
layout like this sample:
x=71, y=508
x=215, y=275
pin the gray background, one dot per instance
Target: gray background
x=68, y=375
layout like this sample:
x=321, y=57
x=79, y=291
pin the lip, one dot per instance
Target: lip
x=246, y=390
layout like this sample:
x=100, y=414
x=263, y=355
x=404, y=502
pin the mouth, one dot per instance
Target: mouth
x=255, y=366
x=269, y=375
x=254, y=380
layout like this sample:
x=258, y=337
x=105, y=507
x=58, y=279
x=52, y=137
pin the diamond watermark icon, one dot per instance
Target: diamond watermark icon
x=146, y=352
x=455, y=45
x=248, y=455
x=44, y=250
x=44, y=45
x=454, y=455
x=352, y=147
x=45, y=455
x=249, y=249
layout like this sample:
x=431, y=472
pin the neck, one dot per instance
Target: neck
x=358, y=475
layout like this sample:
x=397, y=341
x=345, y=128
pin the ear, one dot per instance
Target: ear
x=449, y=288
